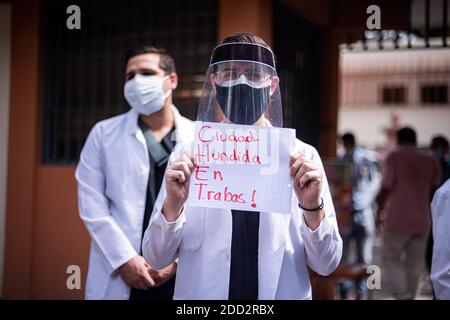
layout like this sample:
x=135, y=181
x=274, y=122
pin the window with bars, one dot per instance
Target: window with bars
x=393, y=95
x=84, y=70
x=434, y=93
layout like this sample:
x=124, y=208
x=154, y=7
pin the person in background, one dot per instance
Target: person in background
x=365, y=183
x=440, y=267
x=440, y=147
x=409, y=181
x=119, y=175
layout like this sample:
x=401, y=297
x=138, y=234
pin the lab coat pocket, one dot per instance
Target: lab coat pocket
x=193, y=230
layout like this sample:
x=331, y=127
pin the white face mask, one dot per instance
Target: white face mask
x=145, y=93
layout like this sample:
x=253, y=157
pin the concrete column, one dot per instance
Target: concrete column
x=5, y=61
x=253, y=16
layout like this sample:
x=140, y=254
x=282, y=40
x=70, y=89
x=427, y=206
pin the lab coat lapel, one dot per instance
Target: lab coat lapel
x=137, y=147
x=273, y=228
x=184, y=129
x=184, y=132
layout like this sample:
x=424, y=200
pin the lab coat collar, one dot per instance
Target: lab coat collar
x=132, y=121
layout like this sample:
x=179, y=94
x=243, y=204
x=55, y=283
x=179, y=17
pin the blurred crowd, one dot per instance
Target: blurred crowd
x=391, y=198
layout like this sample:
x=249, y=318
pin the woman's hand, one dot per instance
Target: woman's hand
x=177, y=184
x=308, y=177
x=307, y=180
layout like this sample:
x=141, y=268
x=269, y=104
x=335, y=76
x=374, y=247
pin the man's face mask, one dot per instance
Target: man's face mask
x=243, y=101
x=145, y=93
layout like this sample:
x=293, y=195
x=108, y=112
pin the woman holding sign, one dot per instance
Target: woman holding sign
x=250, y=249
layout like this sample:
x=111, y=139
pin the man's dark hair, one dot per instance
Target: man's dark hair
x=245, y=37
x=348, y=138
x=406, y=135
x=439, y=143
x=166, y=61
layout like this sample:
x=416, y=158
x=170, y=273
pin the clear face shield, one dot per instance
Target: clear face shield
x=241, y=87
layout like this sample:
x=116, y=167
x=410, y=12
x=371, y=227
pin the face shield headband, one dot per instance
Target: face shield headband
x=242, y=51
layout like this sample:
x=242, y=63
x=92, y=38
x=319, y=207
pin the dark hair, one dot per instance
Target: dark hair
x=348, y=137
x=439, y=143
x=166, y=61
x=245, y=37
x=406, y=135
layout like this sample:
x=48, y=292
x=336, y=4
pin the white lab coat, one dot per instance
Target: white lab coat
x=112, y=180
x=440, y=267
x=201, y=240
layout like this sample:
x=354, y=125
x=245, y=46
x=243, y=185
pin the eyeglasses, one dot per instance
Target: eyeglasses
x=254, y=75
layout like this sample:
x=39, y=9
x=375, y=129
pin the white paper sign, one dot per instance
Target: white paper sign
x=242, y=167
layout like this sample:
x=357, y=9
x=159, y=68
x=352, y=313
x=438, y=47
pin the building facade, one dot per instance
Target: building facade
x=382, y=89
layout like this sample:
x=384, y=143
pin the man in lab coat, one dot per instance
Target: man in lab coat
x=440, y=266
x=233, y=254
x=119, y=175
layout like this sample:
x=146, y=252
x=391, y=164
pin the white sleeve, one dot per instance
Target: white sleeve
x=94, y=207
x=162, y=238
x=323, y=245
x=440, y=268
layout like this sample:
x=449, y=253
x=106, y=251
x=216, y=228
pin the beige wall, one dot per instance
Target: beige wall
x=363, y=75
x=367, y=124
x=5, y=43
